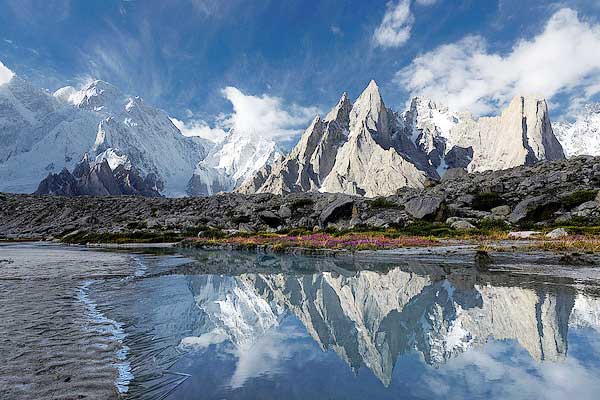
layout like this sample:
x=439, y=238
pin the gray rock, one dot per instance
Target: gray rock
x=270, y=218
x=285, y=211
x=557, y=233
x=588, y=205
x=564, y=218
x=462, y=225
x=338, y=209
x=454, y=173
x=421, y=207
x=501, y=211
x=526, y=205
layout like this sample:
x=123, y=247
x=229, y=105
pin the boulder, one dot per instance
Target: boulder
x=454, y=173
x=462, y=225
x=501, y=211
x=557, y=233
x=285, y=212
x=270, y=218
x=588, y=205
x=421, y=207
x=338, y=209
x=523, y=234
x=526, y=205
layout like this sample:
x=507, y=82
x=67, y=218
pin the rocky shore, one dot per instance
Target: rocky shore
x=548, y=194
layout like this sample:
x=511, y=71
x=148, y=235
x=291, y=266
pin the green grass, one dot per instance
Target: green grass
x=577, y=198
x=382, y=202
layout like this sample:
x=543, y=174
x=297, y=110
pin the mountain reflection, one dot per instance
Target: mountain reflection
x=371, y=318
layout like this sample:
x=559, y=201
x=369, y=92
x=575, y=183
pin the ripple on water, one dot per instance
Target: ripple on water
x=104, y=325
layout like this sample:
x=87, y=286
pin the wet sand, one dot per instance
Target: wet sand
x=52, y=346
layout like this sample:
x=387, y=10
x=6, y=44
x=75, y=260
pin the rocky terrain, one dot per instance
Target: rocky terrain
x=558, y=192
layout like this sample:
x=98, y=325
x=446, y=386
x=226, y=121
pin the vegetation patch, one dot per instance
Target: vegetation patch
x=579, y=197
x=122, y=237
x=350, y=242
x=382, y=202
x=583, y=244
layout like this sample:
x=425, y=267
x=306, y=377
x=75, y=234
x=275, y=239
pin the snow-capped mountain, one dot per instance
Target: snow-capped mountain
x=146, y=135
x=367, y=149
x=41, y=133
x=231, y=163
x=581, y=137
x=522, y=134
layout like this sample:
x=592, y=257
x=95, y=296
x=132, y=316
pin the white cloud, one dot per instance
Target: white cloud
x=394, y=30
x=265, y=115
x=396, y=25
x=5, y=74
x=199, y=128
x=336, y=30
x=563, y=59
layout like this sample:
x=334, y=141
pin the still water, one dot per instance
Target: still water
x=233, y=325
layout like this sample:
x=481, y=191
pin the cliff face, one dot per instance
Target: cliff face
x=521, y=135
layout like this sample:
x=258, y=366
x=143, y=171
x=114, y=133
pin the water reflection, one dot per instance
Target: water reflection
x=422, y=330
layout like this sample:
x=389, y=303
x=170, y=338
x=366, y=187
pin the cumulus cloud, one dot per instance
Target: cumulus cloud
x=199, y=128
x=562, y=59
x=265, y=115
x=396, y=26
x=5, y=74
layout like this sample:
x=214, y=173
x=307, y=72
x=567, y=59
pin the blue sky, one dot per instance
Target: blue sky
x=291, y=58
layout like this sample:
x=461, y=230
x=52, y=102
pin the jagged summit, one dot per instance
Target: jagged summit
x=364, y=148
x=98, y=179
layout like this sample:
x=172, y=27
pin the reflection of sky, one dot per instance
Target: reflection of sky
x=282, y=359
x=287, y=361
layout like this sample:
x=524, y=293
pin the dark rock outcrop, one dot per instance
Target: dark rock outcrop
x=99, y=180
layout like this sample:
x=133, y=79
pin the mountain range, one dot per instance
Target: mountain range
x=359, y=148
x=364, y=148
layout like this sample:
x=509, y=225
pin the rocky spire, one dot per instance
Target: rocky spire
x=341, y=112
x=369, y=111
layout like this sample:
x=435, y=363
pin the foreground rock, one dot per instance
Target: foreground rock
x=553, y=192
